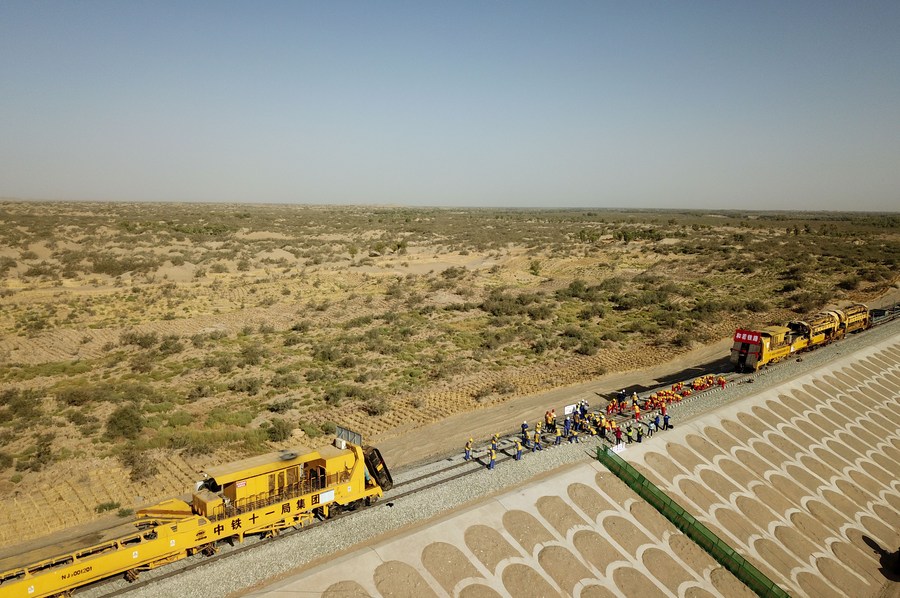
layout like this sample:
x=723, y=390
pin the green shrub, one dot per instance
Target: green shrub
x=252, y=354
x=144, y=340
x=311, y=430
x=170, y=345
x=107, y=506
x=249, y=385
x=228, y=417
x=376, y=406
x=125, y=422
x=279, y=430
x=25, y=404
x=140, y=465
x=282, y=406
x=199, y=391
x=179, y=418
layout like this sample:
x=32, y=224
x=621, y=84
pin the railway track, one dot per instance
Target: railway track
x=402, y=489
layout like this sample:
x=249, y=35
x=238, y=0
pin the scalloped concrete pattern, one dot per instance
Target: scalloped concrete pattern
x=795, y=478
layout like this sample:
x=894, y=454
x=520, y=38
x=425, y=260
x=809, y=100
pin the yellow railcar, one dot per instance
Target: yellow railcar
x=753, y=349
x=261, y=495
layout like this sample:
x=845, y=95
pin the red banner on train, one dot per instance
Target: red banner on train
x=746, y=336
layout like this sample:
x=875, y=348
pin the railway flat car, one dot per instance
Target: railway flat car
x=260, y=495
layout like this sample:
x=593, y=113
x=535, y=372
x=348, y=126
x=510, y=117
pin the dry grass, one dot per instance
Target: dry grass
x=204, y=332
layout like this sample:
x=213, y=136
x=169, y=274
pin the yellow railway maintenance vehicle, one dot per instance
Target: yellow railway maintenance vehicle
x=753, y=349
x=260, y=495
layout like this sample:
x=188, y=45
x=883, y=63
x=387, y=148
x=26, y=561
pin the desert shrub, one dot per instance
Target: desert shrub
x=612, y=335
x=279, y=429
x=142, y=363
x=358, y=322
x=252, y=354
x=249, y=385
x=311, y=430
x=223, y=416
x=141, y=466
x=75, y=395
x=201, y=339
x=218, y=268
x=326, y=352
x=592, y=311
x=41, y=455
x=199, y=391
x=706, y=310
x=328, y=428
x=170, y=345
x=499, y=303
x=376, y=406
x=25, y=404
x=849, y=283
x=541, y=311
x=282, y=406
x=6, y=460
x=6, y=264
x=756, y=305
x=589, y=346
x=808, y=301
x=286, y=380
x=179, y=418
x=682, y=339
x=222, y=362
x=301, y=326
x=125, y=422
x=504, y=387
x=144, y=340
x=292, y=339
x=315, y=374
x=107, y=506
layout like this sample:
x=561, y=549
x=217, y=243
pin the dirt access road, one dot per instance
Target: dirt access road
x=450, y=434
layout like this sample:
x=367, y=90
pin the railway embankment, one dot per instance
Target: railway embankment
x=336, y=543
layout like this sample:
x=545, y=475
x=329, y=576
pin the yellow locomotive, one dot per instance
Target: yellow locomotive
x=753, y=349
x=260, y=495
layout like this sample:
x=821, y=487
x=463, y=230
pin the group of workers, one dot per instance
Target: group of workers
x=583, y=421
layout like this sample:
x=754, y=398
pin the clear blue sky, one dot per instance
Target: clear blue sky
x=752, y=104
